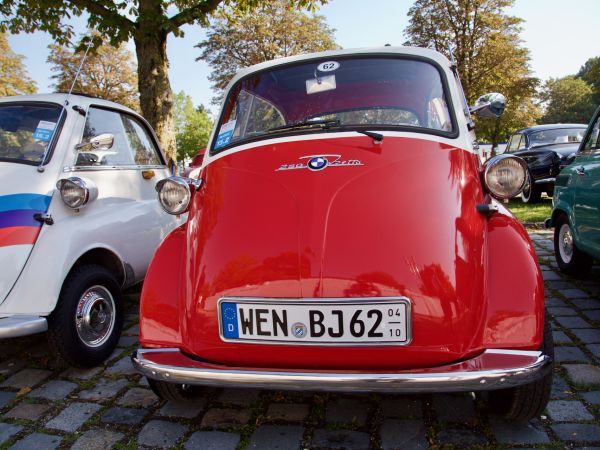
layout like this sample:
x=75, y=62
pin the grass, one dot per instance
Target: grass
x=537, y=212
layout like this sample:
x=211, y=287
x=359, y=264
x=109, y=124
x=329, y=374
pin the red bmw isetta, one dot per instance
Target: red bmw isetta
x=344, y=236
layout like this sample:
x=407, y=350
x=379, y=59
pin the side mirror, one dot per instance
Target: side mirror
x=103, y=141
x=489, y=105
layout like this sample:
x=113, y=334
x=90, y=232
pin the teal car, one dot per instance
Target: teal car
x=576, y=206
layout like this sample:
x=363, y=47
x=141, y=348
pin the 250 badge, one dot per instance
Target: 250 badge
x=320, y=162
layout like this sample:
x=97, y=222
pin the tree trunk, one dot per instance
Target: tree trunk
x=156, y=97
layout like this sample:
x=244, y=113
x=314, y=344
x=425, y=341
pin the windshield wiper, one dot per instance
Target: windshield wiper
x=323, y=124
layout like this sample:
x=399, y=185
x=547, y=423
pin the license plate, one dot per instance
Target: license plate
x=375, y=321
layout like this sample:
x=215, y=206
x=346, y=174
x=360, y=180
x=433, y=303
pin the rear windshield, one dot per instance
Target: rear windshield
x=556, y=136
x=26, y=131
x=336, y=94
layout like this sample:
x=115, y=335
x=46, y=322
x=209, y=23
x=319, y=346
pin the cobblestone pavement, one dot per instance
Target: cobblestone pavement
x=45, y=406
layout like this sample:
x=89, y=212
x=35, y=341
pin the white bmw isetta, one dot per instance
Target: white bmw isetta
x=79, y=219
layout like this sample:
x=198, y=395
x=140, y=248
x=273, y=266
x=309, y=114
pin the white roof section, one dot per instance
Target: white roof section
x=371, y=51
x=75, y=99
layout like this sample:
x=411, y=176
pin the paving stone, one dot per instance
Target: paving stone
x=124, y=416
x=26, y=378
x=97, y=440
x=290, y=412
x=73, y=417
x=561, y=311
x=403, y=434
x=511, y=432
x=574, y=294
x=105, y=389
x=583, y=373
x=54, y=390
x=27, y=411
x=38, y=441
x=276, y=437
x=594, y=349
x=572, y=322
x=11, y=366
x=75, y=373
x=588, y=335
x=577, y=432
x=560, y=337
x=593, y=314
x=341, y=439
x=346, y=410
x=158, y=433
x=127, y=341
x=586, y=304
x=132, y=331
x=242, y=397
x=188, y=410
x=555, y=302
x=560, y=285
x=461, y=438
x=7, y=431
x=402, y=408
x=454, y=408
x=560, y=389
x=224, y=418
x=563, y=411
x=6, y=398
x=550, y=275
x=570, y=354
x=212, y=440
x=139, y=397
x=122, y=367
x=592, y=397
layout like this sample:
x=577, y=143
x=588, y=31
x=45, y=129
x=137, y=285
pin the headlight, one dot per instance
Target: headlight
x=174, y=194
x=504, y=176
x=75, y=192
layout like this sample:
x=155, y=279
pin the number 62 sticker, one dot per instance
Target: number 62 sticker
x=328, y=66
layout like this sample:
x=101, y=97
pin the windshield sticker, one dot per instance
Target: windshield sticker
x=320, y=162
x=320, y=84
x=225, y=134
x=44, y=131
x=328, y=66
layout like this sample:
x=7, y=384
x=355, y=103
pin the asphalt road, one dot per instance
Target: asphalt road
x=45, y=405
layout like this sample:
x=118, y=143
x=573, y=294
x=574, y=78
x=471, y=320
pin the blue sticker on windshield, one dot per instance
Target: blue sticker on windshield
x=225, y=134
x=44, y=131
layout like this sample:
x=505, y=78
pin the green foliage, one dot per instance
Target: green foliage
x=241, y=38
x=590, y=73
x=568, y=99
x=486, y=45
x=192, y=126
x=14, y=79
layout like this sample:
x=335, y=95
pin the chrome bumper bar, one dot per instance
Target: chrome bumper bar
x=15, y=326
x=492, y=369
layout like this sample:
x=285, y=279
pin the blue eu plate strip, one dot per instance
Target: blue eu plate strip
x=229, y=318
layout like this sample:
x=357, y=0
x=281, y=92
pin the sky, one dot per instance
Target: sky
x=560, y=34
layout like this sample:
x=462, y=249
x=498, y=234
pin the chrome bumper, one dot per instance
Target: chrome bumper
x=493, y=369
x=15, y=326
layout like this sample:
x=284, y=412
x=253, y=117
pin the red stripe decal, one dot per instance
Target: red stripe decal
x=18, y=235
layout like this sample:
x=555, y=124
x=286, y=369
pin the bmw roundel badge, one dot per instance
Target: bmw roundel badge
x=317, y=163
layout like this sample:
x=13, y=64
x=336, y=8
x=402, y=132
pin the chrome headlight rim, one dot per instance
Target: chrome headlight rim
x=180, y=182
x=77, y=183
x=492, y=164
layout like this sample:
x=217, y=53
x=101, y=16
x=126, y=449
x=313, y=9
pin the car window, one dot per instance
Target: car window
x=514, y=142
x=592, y=143
x=556, y=136
x=132, y=143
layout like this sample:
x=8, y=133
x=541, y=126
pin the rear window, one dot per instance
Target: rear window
x=26, y=131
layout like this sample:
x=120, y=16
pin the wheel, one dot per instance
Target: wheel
x=527, y=401
x=175, y=392
x=86, y=324
x=531, y=193
x=569, y=258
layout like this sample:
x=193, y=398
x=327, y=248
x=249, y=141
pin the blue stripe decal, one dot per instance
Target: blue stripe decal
x=36, y=202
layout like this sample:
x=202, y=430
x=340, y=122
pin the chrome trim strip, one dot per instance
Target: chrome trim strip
x=16, y=326
x=67, y=169
x=445, y=380
x=545, y=180
x=317, y=301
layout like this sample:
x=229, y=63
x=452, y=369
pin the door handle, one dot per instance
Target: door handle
x=580, y=170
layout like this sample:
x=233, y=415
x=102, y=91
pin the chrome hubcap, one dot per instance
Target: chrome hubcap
x=95, y=316
x=565, y=243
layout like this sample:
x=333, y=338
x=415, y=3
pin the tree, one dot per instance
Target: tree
x=192, y=126
x=486, y=45
x=14, y=79
x=590, y=73
x=568, y=99
x=238, y=39
x=147, y=22
x=108, y=73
